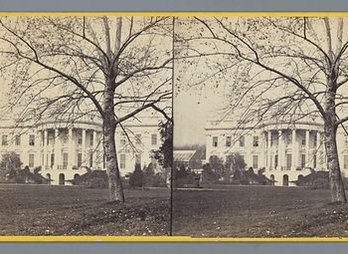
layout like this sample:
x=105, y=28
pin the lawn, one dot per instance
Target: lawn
x=71, y=210
x=258, y=211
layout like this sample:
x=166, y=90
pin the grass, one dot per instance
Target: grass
x=258, y=211
x=72, y=210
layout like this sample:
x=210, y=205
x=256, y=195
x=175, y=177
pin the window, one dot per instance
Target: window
x=91, y=139
x=79, y=138
x=345, y=165
x=122, y=161
x=255, y=161
x=303, y=140
x=303, y=160
x=18, y=140
x=31, y=160
x=255, y=141
x=315, y=141
x=79, y=160
x=65, y=136
x=228, y=141
x=241, y=141
x=138, y=139
x=314, y=161
x=154, y=139
x=138, y=158
x=31, y=140
x=52, y=159
x=288, y=161
x=4, y=140
x=276, y=160
x=65, y=160
x=91, y=160
x=215, y=141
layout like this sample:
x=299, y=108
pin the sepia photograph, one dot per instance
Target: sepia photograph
x=86, y=125
x=260, y=133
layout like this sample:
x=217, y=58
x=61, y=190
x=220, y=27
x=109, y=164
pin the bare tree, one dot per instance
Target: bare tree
x=276, y=67
x=66, y=67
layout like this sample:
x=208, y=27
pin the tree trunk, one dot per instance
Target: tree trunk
x=109, y=129
x=330, y=131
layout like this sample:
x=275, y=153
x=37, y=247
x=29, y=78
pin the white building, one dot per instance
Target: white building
x=65, y=150
x=286, y=150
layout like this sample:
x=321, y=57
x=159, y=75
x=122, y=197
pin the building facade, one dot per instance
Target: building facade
x=64, y=150
x=285, y=150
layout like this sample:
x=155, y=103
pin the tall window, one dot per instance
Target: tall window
x=276, y=160
x=215, y=141
x=315, y=142
x=31, y=140
x=79, y=160
x=18, y=140
x=255, y=141
x=122, y=161
x=228, y=141
x=52, y=159
x=91, y=139
x=31, y=160
x=303, y=160
x=303, y=140
x=64, y=136
x=255, y=161
x=91, y=160
x=79, y=138
x=138, y=158
x=154, y=139
x=314, y=161
x=65, y=160
x=242, y=141
x=288, y=161
x=4, y=140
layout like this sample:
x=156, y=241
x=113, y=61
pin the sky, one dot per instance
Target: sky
x=191, y=111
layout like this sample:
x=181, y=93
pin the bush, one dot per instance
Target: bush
x=136, y=179
x=93, y=179
x=97, y=183
x=315, y=180
x=183, y=177
x=208, y=175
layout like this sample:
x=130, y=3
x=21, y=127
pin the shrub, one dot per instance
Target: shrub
x=92, y=179
x=136, y=179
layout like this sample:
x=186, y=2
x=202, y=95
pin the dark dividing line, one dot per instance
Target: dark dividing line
x=171, y=168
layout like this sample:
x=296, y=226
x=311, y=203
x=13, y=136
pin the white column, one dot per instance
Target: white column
x=71, y=156
x=294, y=150
x=83, y=147
x=309, y=162
x=262, y=150
x=95, y=149
x=56, y=149
x=317, y=151
x=44, y=137
x=281, y=149
x=269, y=137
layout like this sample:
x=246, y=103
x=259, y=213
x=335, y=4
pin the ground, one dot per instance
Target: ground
x=72, y=210
x=258, y=211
